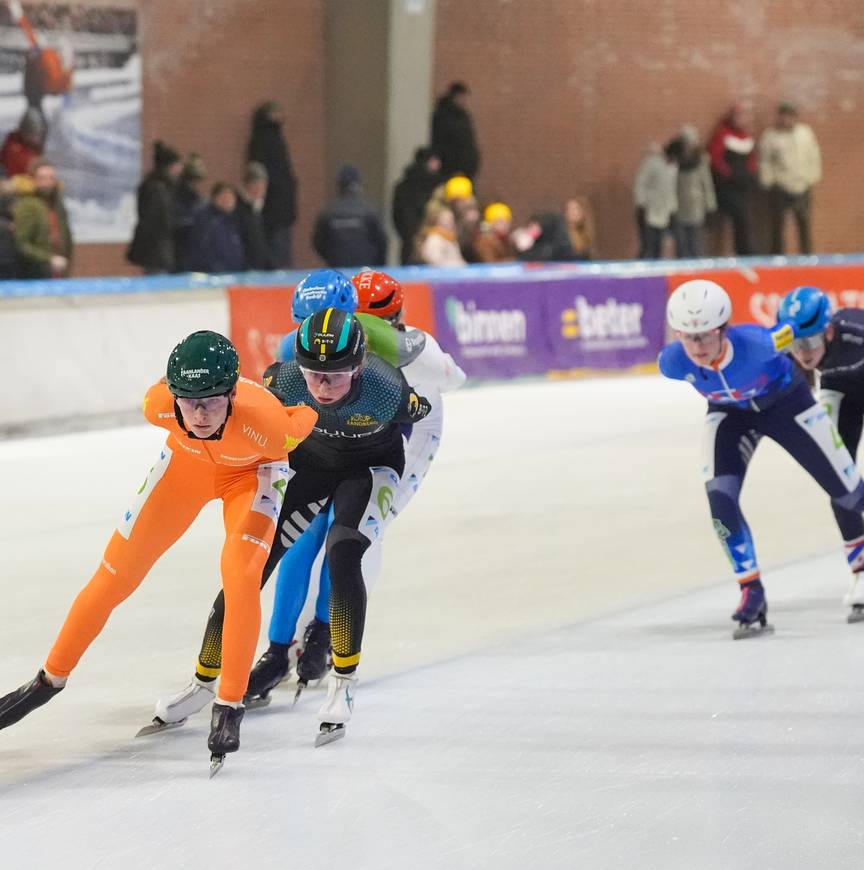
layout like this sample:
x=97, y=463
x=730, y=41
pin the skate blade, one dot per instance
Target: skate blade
x=856, y=614
x=157, y=726
x=752, y=630
x=301, y=685
x=257, y=702
x=328, y=734
x=216, y=762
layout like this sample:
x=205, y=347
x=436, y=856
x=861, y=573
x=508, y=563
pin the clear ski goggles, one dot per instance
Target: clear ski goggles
x=209, y=405
x=698, y=337
x=336, y=379
x=810, y=342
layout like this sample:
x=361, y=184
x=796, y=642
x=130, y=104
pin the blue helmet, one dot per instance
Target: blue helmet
x=808, y=309
x=325, y=288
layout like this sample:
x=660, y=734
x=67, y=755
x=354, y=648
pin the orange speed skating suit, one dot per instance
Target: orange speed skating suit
x=238, y=468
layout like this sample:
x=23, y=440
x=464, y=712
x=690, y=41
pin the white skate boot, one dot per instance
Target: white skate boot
x=173, y=710
x=854, y=598
x=336, y=711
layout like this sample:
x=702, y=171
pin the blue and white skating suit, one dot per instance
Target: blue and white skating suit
x=432, y=372
x=841, y=391
x=756, y=390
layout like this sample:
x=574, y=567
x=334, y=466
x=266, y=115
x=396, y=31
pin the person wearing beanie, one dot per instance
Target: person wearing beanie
x=790, y=163
x=349, y=232
x=152, y=246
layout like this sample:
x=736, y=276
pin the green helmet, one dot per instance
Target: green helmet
x=329, y=340
x=204, y=364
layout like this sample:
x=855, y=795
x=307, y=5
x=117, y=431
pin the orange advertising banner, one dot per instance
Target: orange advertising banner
x=261, y=317
x=756, y=293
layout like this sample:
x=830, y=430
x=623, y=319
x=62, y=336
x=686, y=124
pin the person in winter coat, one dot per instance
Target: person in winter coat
x=24, y=145
x=410, y=196
x=250, y=203
x=348, y=232
x=453, y=133
x=492, y=242
x=656, y=198
x=437, y=243
x=152, y=246
x=189, y=199
x=732, y=151
x=580, y=227
x=790, y=163
x=42, y=236
x=217, y=234
x=267, y=146
x=696, y=197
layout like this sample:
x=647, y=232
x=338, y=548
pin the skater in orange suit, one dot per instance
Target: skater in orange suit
x=228, y=439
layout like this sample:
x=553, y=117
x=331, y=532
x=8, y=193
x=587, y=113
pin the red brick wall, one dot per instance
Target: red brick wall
x=206, y=65
x=567, y=93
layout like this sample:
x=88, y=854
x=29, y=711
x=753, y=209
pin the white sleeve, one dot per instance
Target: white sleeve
x=435, y=368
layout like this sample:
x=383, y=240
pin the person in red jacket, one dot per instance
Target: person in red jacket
x=732, y=150
x=23, y=145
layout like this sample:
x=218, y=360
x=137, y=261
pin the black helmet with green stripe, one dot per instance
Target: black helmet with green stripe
x=203, y=364
x=330, y=340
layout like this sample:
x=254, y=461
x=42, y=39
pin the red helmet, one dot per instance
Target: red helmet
x=378, y=294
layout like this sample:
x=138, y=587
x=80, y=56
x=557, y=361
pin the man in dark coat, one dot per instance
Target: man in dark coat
x=268, y=147
x=217, y=234
x=250, y=204
x=410, y=196
x=453, y=133
x=189, y=199
x=152, y=246
x=348, y=232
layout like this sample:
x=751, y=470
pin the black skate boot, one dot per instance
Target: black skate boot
x=224, y=734
x=752, y=612
x=273, y=667
x=314, y=661
x=16, y=705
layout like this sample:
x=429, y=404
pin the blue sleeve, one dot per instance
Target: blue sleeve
x=673, y=361
x=761, y=345
x=286, y=348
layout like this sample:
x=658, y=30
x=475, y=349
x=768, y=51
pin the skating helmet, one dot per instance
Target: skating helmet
x=326, y=288
x=203, y=364
x=330, y=340
x=378, y=294
x=808, y=309
x=698, y=306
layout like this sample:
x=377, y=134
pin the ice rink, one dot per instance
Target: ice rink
x=548, y=679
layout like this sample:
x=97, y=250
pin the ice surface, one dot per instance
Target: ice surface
x=548, y=680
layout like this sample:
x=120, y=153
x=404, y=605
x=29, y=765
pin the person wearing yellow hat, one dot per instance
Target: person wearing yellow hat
x=458, y=187
x=493, y=244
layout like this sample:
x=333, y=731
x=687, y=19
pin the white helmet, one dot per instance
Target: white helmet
x=697, y=306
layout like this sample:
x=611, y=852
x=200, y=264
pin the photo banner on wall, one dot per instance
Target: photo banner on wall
x=70, y=88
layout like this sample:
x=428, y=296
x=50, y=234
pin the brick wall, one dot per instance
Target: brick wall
x=206, y=65
x=568, y=93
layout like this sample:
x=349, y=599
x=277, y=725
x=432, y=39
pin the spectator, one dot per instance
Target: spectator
x=410, y=196
x=23, y=145
x=436, y=242
x=8, y=249
x=42, y=236
x=250, y=203
x=656, y=199
x=696, y=196
x=188, y=201
x=545, y=240
x=789, y=165
x=152, y=246
x=268, y=147
x=732, y=151
x=492, y=244
x=217, y=233
x=453, y=133
x=348, y=232
x=580, y=227
x=458, y=195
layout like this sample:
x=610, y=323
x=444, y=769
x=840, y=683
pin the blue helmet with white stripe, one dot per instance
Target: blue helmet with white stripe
x=330, y=340
x=325, y=288
x=808, y=309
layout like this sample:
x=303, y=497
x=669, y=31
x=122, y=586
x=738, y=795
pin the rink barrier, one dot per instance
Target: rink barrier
x=83, y=351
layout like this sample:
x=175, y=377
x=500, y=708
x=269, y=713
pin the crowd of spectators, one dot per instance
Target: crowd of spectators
x=682, y=186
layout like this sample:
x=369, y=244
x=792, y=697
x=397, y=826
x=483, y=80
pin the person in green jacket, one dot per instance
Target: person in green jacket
x=42, y=236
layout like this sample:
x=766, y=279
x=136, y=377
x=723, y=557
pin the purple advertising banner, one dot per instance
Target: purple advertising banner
x=605, y=322
x=504, y=329
x=494, y=329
